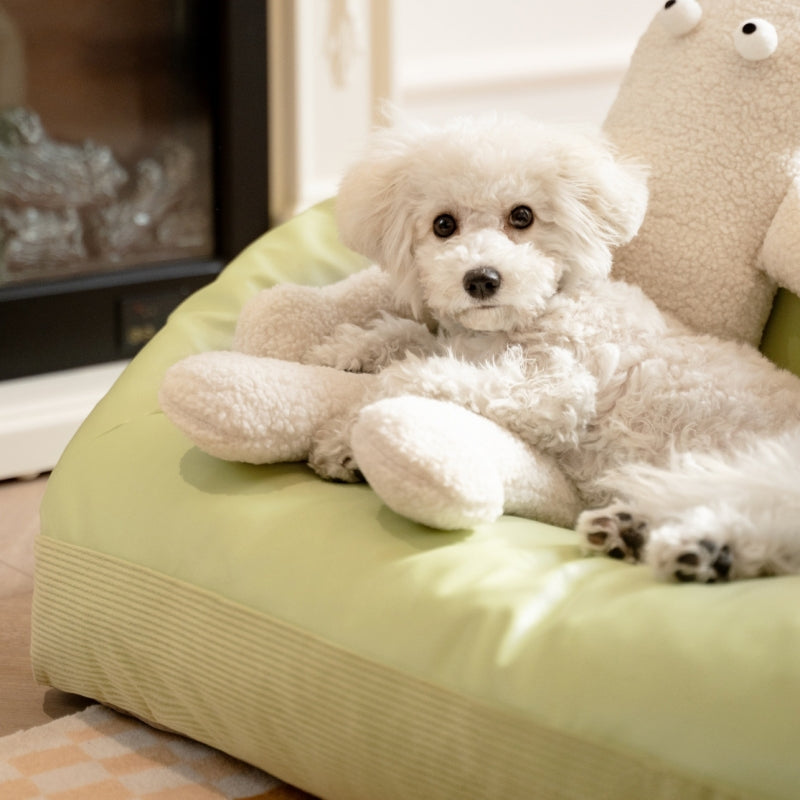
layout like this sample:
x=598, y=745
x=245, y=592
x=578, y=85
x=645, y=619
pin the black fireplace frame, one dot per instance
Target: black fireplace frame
x=53, y=325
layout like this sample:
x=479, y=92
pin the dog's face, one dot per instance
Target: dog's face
x=481, y=222
x=483, y=256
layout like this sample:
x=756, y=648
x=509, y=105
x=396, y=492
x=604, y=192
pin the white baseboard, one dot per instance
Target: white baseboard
x=40, y=414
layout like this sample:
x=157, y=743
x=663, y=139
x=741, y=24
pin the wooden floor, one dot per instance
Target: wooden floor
x=23, y=704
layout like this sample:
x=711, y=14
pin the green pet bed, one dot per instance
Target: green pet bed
x=303, y=627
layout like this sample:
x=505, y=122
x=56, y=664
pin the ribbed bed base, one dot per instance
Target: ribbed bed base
x=328, y=721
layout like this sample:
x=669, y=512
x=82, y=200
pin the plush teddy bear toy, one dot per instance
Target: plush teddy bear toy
x=709, y=103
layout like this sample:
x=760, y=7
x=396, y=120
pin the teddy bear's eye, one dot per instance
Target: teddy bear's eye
x=445, y=225
x=756, y=39
x=680, y=16
x=521, y=217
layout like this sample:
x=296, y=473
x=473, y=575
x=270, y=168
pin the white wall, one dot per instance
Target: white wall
x=322, y=94
x=558, y=61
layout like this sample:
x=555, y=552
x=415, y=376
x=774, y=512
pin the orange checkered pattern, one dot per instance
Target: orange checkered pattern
x=101, y=755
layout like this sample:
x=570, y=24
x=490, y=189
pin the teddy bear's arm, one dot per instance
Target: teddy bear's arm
x=241, y=407
x=287, y=320
x=780, y=253
x=372, y=347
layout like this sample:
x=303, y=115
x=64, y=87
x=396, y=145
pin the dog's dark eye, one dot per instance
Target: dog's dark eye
x=521, y=217
x=445, y=225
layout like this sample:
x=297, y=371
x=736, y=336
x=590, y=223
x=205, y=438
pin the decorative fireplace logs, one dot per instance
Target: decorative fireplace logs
x=64, y=204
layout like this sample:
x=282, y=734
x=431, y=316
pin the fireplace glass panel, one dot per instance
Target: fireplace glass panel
x=105, y=136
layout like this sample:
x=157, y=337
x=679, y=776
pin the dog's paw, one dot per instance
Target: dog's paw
x=329, y=354
x=615, y=531
x=331, y=457
x=341, y=470
x=692, y=560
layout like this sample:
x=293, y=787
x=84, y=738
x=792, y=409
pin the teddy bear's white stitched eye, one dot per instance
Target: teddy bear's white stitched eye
x=680, y=16
x=756, y=39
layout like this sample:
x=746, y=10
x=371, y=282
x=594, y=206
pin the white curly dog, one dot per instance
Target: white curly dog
x=498, y=234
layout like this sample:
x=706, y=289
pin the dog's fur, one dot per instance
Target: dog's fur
x=700, y=437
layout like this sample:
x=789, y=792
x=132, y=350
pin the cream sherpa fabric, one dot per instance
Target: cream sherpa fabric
x=244, y=407
x=286, y=321
x=711, y=103
x=439, y=464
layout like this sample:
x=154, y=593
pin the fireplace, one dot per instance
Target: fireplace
x=133, y=165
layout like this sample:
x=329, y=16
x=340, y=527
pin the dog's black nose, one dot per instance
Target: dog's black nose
x=482, y=282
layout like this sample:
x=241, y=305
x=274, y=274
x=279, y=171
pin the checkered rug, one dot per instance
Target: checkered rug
x=98, y=754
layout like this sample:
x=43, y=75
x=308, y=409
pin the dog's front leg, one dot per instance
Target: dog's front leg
x=372, y=347
x=547, y=405
x=549, y=400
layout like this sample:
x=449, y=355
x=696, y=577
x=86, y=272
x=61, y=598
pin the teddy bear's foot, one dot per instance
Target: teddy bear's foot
x=446, y=467
x=242, y=407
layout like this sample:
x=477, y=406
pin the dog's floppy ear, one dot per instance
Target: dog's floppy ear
x=620, y=194
x=374, y=207
x=612, y=193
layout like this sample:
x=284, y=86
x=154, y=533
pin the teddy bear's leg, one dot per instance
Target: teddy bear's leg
x=242, y=407
x=447, y=467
